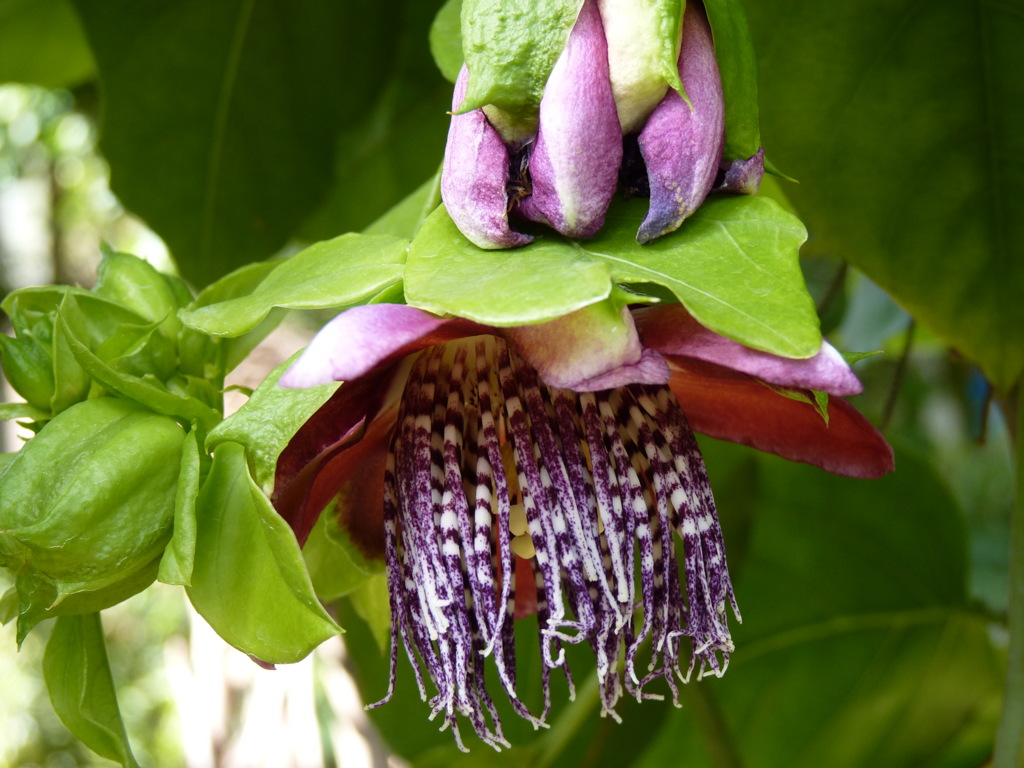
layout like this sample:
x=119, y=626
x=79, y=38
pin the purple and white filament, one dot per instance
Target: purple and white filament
x=487, y=463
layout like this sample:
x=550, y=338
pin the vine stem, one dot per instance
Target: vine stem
x=1010, y=739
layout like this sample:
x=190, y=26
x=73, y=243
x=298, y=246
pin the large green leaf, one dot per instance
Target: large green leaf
x=733, y=264
x=41, y=42
x=398, y=140
x=78, y=678
x=904, y=122
x=248, y=579
x=221, y=119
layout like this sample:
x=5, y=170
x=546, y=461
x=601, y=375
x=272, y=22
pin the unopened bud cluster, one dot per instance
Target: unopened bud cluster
x=604, y=94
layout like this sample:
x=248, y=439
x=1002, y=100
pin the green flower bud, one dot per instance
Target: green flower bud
x=89, y=502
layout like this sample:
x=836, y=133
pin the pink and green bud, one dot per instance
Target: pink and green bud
x=475, y=177
x=622, y=71
x=575, y=161
x=681, y=143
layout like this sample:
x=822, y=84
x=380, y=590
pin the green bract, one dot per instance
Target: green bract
x=510, y=49
x=346, y=270
x=733, y=265
x=249, y=580
x=88, y=503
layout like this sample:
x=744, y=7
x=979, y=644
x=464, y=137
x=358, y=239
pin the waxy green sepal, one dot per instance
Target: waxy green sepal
x=88, y=503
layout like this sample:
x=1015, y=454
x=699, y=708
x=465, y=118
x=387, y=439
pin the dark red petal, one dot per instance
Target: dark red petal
x=732, y=406
x=331, y=446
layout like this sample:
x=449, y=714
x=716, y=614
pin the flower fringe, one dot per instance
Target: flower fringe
x=488, y=465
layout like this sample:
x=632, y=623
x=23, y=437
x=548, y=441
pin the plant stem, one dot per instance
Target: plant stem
x=897, y=378
x=713, y=728
x=1010, y=739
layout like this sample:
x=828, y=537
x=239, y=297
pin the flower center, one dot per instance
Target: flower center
x=498, y=487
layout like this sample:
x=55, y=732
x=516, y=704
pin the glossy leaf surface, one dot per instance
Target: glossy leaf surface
x=733, y=264
x=249, y=580
x=81, y=688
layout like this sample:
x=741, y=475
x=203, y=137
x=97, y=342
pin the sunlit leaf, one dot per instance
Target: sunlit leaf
x=176, y=564
x=81, y=688
x=336, y=273
x=269, y=419
x=733, y=264
x=249, y=580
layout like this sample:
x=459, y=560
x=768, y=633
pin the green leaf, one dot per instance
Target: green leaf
x=446, y=39
x=336, y=565
x=511, y=48
x=925, y=204
x=37, y=595
x=212, y=358
x=41, y=42
x=17, y=411
x=146, y=391
x=249, y=580
x=227, y=150
x=733, y=264
x=176, y=563
x=28, y=367
x=81, y=688
x=738, y=68
x=405, y=219
x=397, y=139
x=136, y=284
x=340, y=272
x=89, y=500
x=268, y=420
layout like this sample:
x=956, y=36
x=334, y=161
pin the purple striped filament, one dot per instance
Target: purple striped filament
x=487, y=465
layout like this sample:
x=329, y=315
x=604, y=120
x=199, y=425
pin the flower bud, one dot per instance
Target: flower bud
x=475, y=177
x=682, y=143
x=574, y=165
x=618, y=73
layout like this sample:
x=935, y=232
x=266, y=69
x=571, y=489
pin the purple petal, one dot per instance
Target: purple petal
x=362, y=339
x=741, y=177
x=671, y=330
x=574, y=164
x=475, y=176
x=682, y=146
x=651, y=368
x=593, y=348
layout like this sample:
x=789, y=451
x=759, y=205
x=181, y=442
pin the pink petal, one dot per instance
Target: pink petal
x=732, y=406
x=682, y=145
x=363, y=338
x=574, y=165
x=593, y=348
x=671, y=330
x=741, y=177
x=475, y=176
